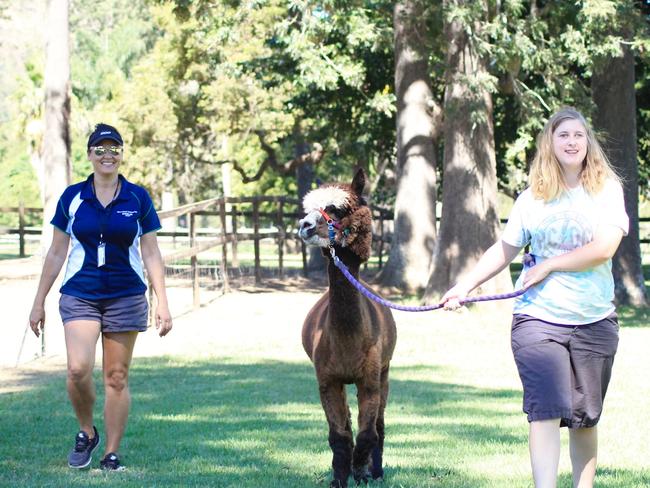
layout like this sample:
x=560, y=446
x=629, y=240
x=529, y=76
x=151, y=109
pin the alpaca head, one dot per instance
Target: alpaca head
x=346, y=206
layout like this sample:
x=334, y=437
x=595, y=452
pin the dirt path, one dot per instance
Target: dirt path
x=195, y=332
x=257, y=322
x=244, y=318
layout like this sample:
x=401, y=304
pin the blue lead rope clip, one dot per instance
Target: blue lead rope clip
x=331, y=233
x=529, y=260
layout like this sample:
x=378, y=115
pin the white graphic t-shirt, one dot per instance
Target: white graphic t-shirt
x=555, y=228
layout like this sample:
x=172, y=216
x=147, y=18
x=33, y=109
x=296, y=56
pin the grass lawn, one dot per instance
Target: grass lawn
x=248, y=414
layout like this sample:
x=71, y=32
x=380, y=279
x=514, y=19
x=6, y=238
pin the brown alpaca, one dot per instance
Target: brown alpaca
x=349, y=338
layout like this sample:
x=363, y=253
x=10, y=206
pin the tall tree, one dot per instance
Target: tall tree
x=305, y=180
x=56, y=137
x=614, y=94
x=417, y=123
x=469, y=220
x=256, y=70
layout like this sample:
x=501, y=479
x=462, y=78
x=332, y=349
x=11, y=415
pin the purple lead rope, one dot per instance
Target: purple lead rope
x=418, y=308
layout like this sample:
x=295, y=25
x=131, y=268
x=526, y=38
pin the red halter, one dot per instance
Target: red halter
x=329, y=219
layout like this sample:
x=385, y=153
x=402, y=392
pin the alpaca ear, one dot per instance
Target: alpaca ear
x=359, y=182
x=359, y=238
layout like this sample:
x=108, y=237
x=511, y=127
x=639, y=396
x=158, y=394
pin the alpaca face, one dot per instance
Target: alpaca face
x=335, y=201
x=346, y=206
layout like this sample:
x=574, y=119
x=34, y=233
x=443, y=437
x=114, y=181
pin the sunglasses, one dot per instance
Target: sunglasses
x=101, y=150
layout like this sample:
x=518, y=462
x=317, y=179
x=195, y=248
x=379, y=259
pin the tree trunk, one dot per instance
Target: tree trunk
x=614, y=95
x=414, y=232
x=469, y=220
x=305, y=178
x=56, y=137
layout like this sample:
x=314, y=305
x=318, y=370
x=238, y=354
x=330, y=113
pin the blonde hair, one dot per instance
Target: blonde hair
x=546, y=178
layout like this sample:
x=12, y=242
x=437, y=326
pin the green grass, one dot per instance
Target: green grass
x=224, y=423
x=249, y=419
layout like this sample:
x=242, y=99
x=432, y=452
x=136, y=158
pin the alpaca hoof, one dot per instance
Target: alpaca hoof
x=338, y=484
x=378, y=474
x=361, y=475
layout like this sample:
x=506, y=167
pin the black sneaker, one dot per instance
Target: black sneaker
x=82, y=454
x=111, y=463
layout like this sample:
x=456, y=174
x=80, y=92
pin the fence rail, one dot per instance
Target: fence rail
x=22, y=230
x=238, y=220
x=244, y=219
x=223, y=224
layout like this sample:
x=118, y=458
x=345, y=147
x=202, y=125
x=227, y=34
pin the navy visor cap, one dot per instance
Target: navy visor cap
x=102, y=132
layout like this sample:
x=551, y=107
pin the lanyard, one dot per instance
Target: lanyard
x=105, y=215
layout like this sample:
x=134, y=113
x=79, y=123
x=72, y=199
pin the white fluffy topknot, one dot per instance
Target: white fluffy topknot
x=325, y=196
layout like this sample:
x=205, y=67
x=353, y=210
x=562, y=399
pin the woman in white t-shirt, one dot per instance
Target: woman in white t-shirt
x=564, y=329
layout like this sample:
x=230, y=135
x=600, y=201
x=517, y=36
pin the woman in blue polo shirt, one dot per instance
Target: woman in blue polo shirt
x=105, y=221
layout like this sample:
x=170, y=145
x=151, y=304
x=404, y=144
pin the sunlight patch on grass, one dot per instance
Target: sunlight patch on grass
x=411, y=419
x=425, y=436
x=177, y=418
x=239, y=444
x=293, y=410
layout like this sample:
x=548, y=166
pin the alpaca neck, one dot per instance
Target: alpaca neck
x=345, y=299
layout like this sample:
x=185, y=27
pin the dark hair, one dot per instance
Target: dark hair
x=104, y=131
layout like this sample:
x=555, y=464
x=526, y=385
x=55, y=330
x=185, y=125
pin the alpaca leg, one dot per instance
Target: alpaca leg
x=337, y=412
x=376, y=469
x=369, y=401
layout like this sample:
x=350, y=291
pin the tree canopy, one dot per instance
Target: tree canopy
x=195, y=84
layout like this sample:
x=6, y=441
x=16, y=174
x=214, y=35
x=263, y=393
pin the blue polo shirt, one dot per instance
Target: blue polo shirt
x=80, y=215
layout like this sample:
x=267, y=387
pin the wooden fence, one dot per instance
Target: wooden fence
x=29, y=223
x=232, y=222
x=29, y=220
x=230, y=232
x=239, y=220
x=268, y=217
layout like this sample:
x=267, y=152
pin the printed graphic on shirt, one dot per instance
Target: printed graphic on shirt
x=561, y=233
x=559, y=227
x=127, y=213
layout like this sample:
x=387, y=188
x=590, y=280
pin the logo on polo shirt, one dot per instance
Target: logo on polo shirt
x=127, y=213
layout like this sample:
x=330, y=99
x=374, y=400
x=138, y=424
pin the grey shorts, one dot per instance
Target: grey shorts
x=565, y=370
x=114, y=315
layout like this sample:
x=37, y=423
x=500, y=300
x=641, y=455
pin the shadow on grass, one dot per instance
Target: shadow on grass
x=633, y=317
x=222, y=423
x=611, y=478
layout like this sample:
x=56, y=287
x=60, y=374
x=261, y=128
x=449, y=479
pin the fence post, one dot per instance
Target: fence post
x=21, y=228
x=303, y=251
x=280, y=224
x=256, y=239
x=233, y=246
x=196, y=299
x=224, y=247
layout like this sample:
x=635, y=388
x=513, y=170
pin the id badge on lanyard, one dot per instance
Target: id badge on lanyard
x=101, y=254
x=101, y=247
x=104, y=218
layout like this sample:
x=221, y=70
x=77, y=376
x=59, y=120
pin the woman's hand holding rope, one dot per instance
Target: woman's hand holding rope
x=453, y=298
